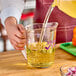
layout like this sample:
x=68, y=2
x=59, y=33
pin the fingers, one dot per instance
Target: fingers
x=19, y=41
x=17, y=46
x=21, y=32
x=19, y=35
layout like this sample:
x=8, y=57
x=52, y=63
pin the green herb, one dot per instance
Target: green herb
x=28, y=51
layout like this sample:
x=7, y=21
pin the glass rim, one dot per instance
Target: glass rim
x=50, y=23
x=66, y=66
x=62, y=68
x=47, y=23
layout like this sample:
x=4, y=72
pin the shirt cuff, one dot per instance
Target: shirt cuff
x=10, y=11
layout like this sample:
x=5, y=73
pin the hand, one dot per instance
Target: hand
x=16, y=33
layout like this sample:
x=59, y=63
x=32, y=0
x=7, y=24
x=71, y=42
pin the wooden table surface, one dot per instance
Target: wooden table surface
x=13, y=64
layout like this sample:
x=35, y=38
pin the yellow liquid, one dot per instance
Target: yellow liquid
x=67, y=6
x=38, y=56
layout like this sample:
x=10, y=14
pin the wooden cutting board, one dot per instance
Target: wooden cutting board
x=13, y=64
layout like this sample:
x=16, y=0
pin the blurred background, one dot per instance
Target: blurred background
x=26, y=18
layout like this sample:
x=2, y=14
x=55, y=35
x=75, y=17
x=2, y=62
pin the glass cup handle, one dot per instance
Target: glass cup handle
x=24, y=54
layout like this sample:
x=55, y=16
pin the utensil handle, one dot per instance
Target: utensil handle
x=24, y=54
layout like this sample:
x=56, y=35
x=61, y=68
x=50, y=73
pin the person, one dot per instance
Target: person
x=11, y=13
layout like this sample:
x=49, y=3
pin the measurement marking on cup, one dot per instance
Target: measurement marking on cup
x=49, y=45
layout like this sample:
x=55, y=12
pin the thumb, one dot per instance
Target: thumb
x=21, y=28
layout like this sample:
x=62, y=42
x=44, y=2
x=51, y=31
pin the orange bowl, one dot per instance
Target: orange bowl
x=74, y=30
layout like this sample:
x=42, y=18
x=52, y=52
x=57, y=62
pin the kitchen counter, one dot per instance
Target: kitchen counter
x=12, y=63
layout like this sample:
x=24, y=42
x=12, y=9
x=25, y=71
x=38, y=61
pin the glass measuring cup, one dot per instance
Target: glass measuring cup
x=41, y=54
